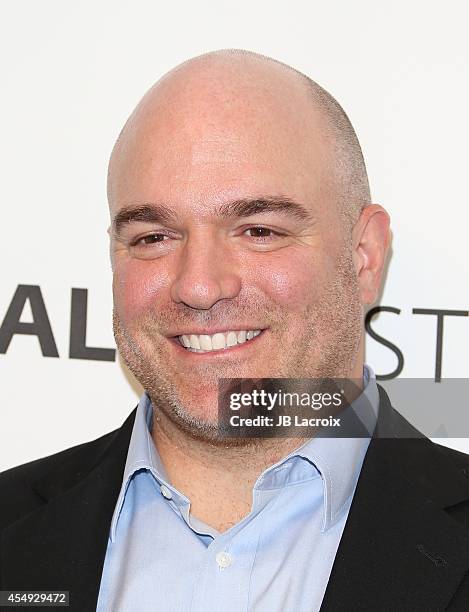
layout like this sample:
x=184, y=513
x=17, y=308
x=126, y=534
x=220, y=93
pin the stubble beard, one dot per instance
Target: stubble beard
x=334, y=324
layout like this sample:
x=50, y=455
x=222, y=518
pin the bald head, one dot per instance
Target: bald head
x=227, y=98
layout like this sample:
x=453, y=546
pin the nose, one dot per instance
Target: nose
x=205, y=273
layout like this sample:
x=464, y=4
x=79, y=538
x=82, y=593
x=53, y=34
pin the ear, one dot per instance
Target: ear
x=370, y=239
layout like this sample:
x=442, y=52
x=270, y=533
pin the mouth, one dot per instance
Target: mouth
x=218, y=342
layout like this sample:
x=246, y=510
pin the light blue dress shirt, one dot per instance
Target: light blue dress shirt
x=278, y=558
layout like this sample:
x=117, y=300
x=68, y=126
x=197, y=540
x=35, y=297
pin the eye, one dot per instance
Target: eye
x=150, y=239
x=261, y=232
x=152, y=245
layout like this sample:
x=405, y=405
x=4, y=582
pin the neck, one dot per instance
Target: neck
x=218, y=479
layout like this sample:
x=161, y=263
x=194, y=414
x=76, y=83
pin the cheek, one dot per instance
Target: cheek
x=137, y=286
x=291, y=282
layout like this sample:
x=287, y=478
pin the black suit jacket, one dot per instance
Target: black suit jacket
x=405, y=546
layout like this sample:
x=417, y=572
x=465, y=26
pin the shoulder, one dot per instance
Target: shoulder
x=456, y=458
x=392, y=425
x=17, y=485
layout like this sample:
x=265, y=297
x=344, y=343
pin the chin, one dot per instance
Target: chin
x=204, y=409
x=195, y=419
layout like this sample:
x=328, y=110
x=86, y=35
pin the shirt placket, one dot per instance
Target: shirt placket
x=224, y=581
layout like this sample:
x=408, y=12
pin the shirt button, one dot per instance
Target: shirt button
x=223, y=559
x=165, y=492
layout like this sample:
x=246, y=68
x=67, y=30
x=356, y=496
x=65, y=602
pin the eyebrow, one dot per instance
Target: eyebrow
x=247, y=207
x=158, y=213
x=143, y=213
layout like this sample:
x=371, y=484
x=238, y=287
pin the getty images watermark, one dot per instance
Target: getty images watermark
x=291, y=407
x=269, y=401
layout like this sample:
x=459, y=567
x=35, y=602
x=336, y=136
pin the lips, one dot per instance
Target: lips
x=204, y=343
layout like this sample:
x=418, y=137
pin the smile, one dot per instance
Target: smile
x=204, y=343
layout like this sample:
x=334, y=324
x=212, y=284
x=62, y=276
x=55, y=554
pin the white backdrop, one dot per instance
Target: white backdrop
x=71, y=74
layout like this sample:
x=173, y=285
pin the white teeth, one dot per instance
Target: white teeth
x=185, y=341
x=231, y=339
x=218, y=341
x=241, y=337
x=203, y=343
x=195, y=344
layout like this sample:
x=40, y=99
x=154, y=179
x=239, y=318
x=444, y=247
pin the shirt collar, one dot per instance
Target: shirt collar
x=336, y=460
x=142, y=454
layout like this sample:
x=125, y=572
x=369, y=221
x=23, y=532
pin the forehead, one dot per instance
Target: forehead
x=210, y=138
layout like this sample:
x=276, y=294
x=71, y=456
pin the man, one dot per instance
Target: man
x=244, y=245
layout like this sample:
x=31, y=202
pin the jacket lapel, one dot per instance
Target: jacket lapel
x=401, y=550
x=62, y=544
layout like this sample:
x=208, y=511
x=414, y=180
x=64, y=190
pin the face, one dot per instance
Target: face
x=229, y=259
